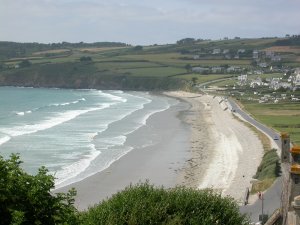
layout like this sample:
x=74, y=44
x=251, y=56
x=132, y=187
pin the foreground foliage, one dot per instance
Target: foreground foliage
x=146, y=204
x=26, y=199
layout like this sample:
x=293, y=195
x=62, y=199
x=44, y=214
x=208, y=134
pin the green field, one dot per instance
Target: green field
x=178, y=59
x=283, y=117
x=154, y=71
x=203, y=78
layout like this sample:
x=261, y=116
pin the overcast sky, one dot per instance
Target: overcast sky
x=145, y=21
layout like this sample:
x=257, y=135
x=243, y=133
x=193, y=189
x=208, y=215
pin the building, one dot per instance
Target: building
x=263, y=65
x=256, y=83
x=216, y=51
x=216, y=69
x=276, y=58
x=297, y=80
x=255, y=54
x=200, y=69
x=243, y=79
x=233, y=69
x=274, y=84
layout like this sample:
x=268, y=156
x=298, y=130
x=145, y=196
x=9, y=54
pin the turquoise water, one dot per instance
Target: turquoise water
x=74, y=133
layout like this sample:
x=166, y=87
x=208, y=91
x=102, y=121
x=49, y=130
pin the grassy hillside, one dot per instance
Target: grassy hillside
x=117, y=65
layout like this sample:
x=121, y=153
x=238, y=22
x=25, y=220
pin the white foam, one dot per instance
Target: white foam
x=70, y=171
x=108, y=164
x=20, y=113
x=76, y=171
x=117, y=92
x=68, y=103
x=114, y=141
x=4, y=140
x=58, y=119
x=113, y=97
x=23, y=113
x=147, y=116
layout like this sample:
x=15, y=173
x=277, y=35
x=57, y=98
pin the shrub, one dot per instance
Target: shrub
x=26, y=199
x=85, y=59
x=146, y=204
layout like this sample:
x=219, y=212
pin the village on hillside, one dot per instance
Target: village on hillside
x=265, y=81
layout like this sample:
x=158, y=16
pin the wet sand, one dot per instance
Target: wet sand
x=159, y=163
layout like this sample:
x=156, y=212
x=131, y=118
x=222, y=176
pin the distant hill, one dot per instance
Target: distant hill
x=114, y=65
x=17, y=50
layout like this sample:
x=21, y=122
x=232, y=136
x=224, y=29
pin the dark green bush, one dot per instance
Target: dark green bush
x=26, y=199
x=146, y=204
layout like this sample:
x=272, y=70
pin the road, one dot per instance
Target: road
x=268, y=131
x=272, y=197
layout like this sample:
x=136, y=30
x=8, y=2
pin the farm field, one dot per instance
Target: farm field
x=203, y=78
x=283, y=117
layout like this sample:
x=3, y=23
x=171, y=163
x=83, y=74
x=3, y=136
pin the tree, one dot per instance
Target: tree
x=186, y=41
x=188, y=67
x=85, y=59
x=146, y=204
x=194, y=80
x=138, y=48
x=25, y=63
x=26, y=199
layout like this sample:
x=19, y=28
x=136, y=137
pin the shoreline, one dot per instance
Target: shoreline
x=159, y=163
x=201, y=146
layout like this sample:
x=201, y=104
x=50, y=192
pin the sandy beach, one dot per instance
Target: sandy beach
x=198, y=144
x=225, y=153
x=159, y=162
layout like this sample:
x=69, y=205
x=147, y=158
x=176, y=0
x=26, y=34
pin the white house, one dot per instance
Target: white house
x=216, y=51
x=255, y=54
x=216, y=69
x=297, y=80
x=256, y=82
x=276, y=58
x=200, y=69
x=263, y=65
x=242, y=79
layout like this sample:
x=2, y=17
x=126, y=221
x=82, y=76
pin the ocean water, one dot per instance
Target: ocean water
x=74, y=133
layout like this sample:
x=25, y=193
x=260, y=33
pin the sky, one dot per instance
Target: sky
x=145, y=22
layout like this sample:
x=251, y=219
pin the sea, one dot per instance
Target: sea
x=73, y=133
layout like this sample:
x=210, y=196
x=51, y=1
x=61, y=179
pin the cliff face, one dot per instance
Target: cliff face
x=83, y=75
